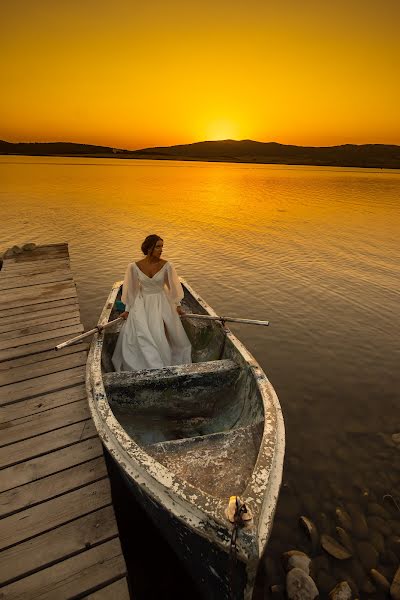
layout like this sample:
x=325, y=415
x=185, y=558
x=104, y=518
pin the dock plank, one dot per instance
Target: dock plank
x=57, y=544
x=41, y=267
x=48, y=316
x=115, y=591
x=35, y=492
x=46, y=367
x=24, y=280
x=14, y=311
x=47, y=515
x=47, y=442
x=37, y=294
x=40, y=337
x=43, y=466
x=34, y=425
x=37, y=347
x=41, y=403
x=82, y=573
x=25, y=329
x=33, y=359
x=15, y=392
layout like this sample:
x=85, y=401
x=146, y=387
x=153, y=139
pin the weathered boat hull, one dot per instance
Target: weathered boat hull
x=190, y=512
x=209, y=567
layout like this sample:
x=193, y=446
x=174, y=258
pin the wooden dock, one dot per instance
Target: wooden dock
x=59, y=537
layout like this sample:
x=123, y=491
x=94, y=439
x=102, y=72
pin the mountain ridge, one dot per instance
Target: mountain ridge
x=244, y=151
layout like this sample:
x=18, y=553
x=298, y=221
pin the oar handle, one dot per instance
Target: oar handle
x=78, y=338
x=228, y=319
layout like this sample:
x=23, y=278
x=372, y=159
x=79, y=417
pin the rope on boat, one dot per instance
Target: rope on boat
x=238, y=518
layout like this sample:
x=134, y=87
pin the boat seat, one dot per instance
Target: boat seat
x=217, y=370
x=219, y=463
x=180, y=401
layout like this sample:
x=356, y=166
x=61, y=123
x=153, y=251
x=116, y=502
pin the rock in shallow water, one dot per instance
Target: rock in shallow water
x=395, y=587
x=379, y=524
x=380, y=580
x=368, y=555
x=344, y=519
x=377, y=540
x=311, y=530
x=341, y=592
x=360, y=527
x=333, y=548
x=345, y=539
x=294, y=559
x=300, y=586
x=375, y=509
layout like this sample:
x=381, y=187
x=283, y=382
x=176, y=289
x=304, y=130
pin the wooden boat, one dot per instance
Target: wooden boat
x=189, y=437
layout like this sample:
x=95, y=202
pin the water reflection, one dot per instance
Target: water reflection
x=313, y=250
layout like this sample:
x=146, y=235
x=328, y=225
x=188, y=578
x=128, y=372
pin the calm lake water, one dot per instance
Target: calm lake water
x=315, y=250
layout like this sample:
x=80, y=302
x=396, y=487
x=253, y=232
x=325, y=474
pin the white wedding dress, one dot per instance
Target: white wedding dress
x=152, y=336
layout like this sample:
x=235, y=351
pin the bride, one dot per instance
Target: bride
x=152, y=335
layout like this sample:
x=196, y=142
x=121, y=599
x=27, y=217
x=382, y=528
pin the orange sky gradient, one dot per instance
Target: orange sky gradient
x=132, y=74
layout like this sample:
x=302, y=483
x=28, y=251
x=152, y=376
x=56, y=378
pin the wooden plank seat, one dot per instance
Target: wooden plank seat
x=214, y=372
x=175, y=402
x=218, y=463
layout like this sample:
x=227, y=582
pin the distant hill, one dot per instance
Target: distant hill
x=349, y=155
x=51, y=148
x=245, y=151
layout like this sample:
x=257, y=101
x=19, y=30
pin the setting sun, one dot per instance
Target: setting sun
x=222, y=130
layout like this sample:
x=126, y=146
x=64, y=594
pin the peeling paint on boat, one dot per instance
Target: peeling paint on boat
x=160, y=490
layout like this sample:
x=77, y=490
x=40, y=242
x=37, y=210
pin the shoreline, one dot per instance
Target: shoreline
x=342, y=164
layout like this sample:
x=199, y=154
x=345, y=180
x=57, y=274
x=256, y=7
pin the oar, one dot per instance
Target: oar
x=78, y=338
x=230, y=319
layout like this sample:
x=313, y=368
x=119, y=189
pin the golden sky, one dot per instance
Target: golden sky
x=134, y=74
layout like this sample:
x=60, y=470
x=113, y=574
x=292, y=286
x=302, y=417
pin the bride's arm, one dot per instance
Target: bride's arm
x=130, y=287
x=174, y=287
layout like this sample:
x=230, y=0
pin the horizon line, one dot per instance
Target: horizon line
x=199, y=142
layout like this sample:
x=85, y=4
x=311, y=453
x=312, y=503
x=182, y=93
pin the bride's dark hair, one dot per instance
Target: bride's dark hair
x=150, y=243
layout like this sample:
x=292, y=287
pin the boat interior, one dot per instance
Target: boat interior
x=203, y=421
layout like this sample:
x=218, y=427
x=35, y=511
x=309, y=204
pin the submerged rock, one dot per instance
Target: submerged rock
x=379, y=524
x=324, y=523
x=294, y=559
x=325, y=582
x=319, y=563
x=341, y=592
x=375, y=509
x=368, y=587
x=377, y=540
x=345, y=539
x=311, y=531
x=388, y=557
x=278, y=592
x=300, y=586
x=344, y=519
x=333, y=548
x=360, y=527
x=380, y=580
x=368, y=555
x=395, y=587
